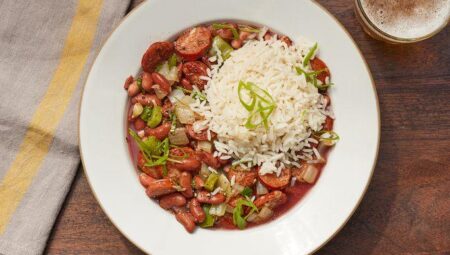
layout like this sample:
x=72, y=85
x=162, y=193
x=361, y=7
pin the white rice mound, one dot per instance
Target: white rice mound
x=300, y=109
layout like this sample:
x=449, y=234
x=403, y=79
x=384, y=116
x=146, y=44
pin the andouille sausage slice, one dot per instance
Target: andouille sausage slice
x=193, y=43
x=271, y=200
x=242, y=177
x=272, y=181
x=155, y=54
x=202, y=136
x=317, y=64
x=193, y=70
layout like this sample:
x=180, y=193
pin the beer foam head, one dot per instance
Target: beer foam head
x=407, y=18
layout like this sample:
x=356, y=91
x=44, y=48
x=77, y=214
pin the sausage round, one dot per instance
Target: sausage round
x=272, y=181
x=155, y=54
x=193, y=70
x=317, y=64
x=193, y=43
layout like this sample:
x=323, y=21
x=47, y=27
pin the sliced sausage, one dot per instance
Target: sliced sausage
x=328, y=125
x=242, y=177
x=272, y=181
x=317, y=64
x=206, y=198
x=202, y=136
x=172, y=200
x=193, y=43
x=286, y=40
x=160, y=187
x=271, y=200
x=155, y=54
x=146, y=100
x=193, y=70
x=196, y=210
x=185, y=182
x=160, y=132
x=154, y=172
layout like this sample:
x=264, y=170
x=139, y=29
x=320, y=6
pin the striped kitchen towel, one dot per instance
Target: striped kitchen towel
x=46, y=50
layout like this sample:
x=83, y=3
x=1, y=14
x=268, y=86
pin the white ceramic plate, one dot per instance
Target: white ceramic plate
x=307, y=226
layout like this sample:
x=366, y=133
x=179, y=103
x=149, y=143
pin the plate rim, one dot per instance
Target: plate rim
x=378, y=134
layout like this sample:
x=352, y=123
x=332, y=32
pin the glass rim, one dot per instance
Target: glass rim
x=387, y=36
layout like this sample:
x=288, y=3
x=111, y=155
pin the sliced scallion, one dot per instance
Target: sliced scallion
x=309, y=55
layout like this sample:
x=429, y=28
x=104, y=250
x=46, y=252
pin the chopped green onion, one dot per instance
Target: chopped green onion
x=248, y=106
x=198, y=95
x=155, y=118
x=146, y=113
x=238, y=211
x=227, y=26
x=327, y=136
x=224, y=48
x=164, y=147
x=247, y=192
x=139, y=83
x=172, y=61
x=173, y=119
x=312, y=78
x=209, y=219
x=211, y=181
x=148, y=147
x=309, y=55
x=249, y=29
x=164, y=171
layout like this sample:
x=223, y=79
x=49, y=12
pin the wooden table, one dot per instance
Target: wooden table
x=407, y=207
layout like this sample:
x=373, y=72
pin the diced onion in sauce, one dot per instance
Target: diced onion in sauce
x=218, y=210
x=184, y=114
x=137, y=110
x=261, y=189
x=310, y=174
x=179, y=137
x=205, y=146
x=176, y=95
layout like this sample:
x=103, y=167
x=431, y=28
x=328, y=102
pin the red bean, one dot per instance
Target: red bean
x=163, y=83
x=193, y=70
x=185, y=182
x=207, y=198
x=196, y=210
x=146, y=100
x=186, y=219
x=243, y=35
x=209, y=159
x=172, y=200
x=198, y=182
x=133, y=89
x=225, y=34
x=139, y=124
x=128, y=82
x=271, y=200
x=160, y=187
x=147, y=82
x=186, y=84
x=155, y=172
x=160, y=132
x=155, y=54
x=236, y=44
x=202, y=136
x=189, y=162
x=286, y=40
x=144, y=179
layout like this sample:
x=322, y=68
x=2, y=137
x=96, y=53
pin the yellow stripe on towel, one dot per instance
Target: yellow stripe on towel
x=40, y=132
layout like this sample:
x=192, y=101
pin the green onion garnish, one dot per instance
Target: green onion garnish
x=238, y=220
x=327, y=136
x=209, y=219
x=227, y=26
x=247, y=192
x=259, y=99
x=249, y=29
x=312, y=78
x=146, y=113
x=309, y=55
x=172, y=61
x=164, y=147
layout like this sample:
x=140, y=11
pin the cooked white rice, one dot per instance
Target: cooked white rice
x=299, y=107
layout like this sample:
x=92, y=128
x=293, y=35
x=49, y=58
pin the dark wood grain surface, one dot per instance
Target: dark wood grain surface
x=407, y=207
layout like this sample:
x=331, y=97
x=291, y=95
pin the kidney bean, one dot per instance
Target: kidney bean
x=205, y=60
x=155, y=54
x=163, y=83
x=186, y=84
x=189, y=160
x=160, y=187
x=243, y=35
x=172, y=200
x=236, y=44
x=202, y=136
x=167, y=108
x=328, y=123
x=286, y=40
x=147, y=82
x=146, y=100
x=196, y=210
x=186, y=219
x=267, y=36
x=139, y=124
x=144, y=179
x=185, y=182
x=272, y=181
x=209, y=159
x=160, y=132
x=128, y=82
x=173, y=174
x=193, y=70
x=155, y=172
x=207, y=198
x=225, y=34
x=271, y=200
x=198, y=182
x=133, y=89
